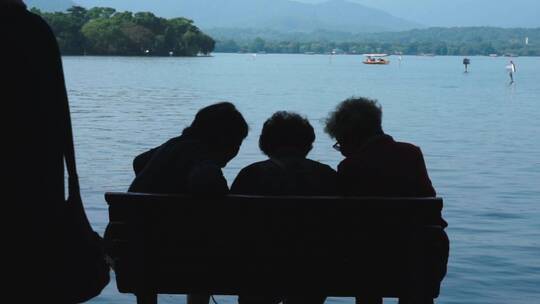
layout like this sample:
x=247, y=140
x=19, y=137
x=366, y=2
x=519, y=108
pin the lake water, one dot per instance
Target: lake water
x=480, y=137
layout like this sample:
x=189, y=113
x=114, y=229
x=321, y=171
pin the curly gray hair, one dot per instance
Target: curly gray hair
x=355, y=119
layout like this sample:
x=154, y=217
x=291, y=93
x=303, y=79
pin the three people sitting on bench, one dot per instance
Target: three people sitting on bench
x=374, y=165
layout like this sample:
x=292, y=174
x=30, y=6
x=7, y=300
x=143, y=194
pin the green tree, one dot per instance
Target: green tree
x=257, y=45
x=104, y=31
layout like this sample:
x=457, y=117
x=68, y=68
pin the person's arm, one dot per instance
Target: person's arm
x=207, y=179
x=343, y=178
x=425, y=188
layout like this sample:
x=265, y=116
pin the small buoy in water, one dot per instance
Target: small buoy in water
x=147, y=51
x=171, y=53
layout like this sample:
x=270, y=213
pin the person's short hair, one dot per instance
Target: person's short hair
x=355, y=119
x=286, y=130
x=220, y=124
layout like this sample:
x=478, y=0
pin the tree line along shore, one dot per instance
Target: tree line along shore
x=104, y=31
x=458, y=41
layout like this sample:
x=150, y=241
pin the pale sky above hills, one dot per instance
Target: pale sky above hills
x=503, y=13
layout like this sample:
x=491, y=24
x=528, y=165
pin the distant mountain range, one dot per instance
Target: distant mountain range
x=279, y=15
x=446, y=13
x=450, y=13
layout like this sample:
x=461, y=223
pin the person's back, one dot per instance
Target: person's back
x=286, y=175
x=34, y=97
x=286, y=139
x=181, y=165
x=384, y=167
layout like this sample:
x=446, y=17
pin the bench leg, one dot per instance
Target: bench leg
x=426, y=300
x=146, y=298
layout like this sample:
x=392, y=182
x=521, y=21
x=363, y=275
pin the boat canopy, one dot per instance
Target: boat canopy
x=376, y=55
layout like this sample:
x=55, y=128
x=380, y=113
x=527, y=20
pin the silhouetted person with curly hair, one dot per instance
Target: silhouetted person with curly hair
x=377, y=165
x=286, y=139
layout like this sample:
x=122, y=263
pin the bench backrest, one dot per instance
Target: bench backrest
x=271, y=245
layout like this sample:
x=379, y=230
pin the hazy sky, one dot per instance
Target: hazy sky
x=502, y=13
x=505, y=13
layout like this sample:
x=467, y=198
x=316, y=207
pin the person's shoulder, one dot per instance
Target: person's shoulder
x=346, y=163
x=179, y=146
x=24, y=19
x=38, y=21
x=175, y=140
x=40, y=32
x=320, y=166
x=409, y=151
x=247, y=179
x=408, y=147
x=256, y=166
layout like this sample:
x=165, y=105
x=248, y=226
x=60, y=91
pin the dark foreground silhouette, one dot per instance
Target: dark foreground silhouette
x=56, y=256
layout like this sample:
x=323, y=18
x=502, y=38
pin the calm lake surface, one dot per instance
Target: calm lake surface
x=480, y=137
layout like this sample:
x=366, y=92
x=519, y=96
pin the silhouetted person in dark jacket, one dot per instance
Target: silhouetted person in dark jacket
x=192, y=162
x=34, y=101
x=377, y=165
x=286, y=139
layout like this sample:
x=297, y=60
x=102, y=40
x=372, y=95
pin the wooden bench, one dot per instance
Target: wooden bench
x=335, y=246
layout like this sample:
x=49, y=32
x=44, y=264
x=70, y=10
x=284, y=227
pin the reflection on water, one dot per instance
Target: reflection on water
x=480, y=137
